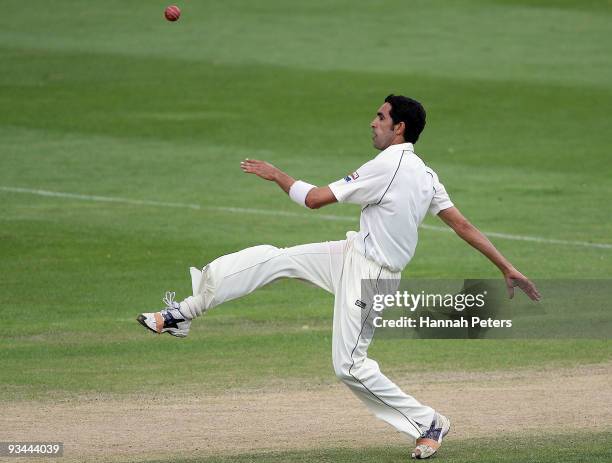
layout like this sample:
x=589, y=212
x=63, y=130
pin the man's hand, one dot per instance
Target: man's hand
x=454, y=219
x=262, y=169
x=316, y=198
x=515, y=278
x=267, y=171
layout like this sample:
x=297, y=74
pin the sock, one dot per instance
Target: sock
x=192, y=307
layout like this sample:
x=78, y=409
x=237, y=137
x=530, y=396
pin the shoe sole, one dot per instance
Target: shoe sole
x=141, y=319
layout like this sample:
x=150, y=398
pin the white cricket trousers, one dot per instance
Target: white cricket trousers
x=338, y=268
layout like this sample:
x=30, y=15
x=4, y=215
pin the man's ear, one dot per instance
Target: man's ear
x=400, y=128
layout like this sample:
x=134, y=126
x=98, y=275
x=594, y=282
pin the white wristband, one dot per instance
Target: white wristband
x=298, y=192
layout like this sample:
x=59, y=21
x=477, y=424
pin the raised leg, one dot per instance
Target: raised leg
x=235, y=275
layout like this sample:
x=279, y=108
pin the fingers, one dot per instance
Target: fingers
x=530, y=289
x=260, y=168
x=246, y=168
x=510, y=288
x=525, y=285
x=250, y=166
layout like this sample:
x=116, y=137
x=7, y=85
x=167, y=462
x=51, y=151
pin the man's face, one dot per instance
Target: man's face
x=383, y=133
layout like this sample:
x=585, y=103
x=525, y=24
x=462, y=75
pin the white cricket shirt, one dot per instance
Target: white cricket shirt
x=395, y=190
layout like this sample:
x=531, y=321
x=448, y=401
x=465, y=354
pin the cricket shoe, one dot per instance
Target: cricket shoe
x=169, y=320
x=429, y=443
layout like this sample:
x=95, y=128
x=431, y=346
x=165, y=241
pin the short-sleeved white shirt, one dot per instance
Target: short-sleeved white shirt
x=395, y=190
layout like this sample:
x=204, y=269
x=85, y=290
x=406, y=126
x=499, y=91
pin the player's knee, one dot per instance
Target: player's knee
x=342, y=369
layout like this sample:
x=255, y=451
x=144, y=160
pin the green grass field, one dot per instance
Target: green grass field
x=109, y=100
x=567, y=448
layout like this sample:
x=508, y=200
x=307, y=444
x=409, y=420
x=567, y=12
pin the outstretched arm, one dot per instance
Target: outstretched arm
x=316, y=198
x=454, y=219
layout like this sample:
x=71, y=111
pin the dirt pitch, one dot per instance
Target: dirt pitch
x=133, y=428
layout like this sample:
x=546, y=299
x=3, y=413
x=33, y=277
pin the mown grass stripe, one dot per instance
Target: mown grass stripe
x=245, y=210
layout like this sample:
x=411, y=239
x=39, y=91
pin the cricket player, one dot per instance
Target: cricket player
x=395, y=190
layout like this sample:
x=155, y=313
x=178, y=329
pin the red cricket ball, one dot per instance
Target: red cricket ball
x=172, y=13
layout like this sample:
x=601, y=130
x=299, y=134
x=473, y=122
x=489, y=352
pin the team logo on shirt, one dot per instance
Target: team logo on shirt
x=353, y=176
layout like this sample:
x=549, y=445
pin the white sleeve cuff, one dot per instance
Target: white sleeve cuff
x=336, y=189
x=435, y=209
x=298, y=192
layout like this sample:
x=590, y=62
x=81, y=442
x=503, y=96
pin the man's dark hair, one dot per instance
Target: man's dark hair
x=410, y=112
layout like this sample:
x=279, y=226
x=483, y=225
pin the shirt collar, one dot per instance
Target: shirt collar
x=398, y=148
x=404, y=147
